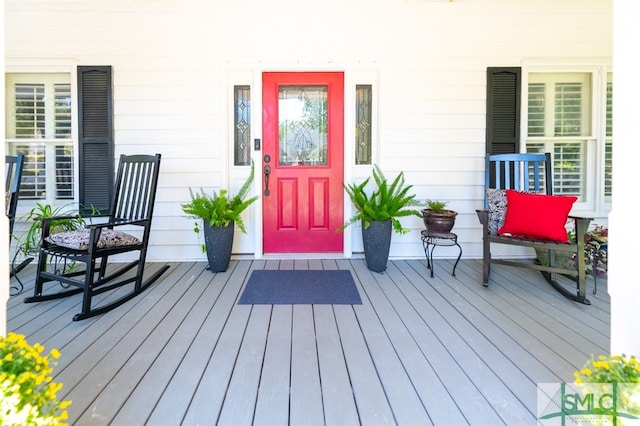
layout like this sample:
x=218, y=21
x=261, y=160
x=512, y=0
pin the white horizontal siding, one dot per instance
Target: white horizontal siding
x=170, y=62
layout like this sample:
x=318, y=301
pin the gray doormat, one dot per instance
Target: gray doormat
x=306, y=287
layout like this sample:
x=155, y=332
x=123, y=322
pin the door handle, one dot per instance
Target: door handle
x=267, y=172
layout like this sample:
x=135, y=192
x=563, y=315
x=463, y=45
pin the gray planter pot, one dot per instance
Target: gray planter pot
x=377, y=241
x=218, y=241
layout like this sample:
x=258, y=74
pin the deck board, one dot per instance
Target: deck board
x=337, y=395
x=406, y=403
x=243, y=387
x=272, y=405
x=149, y=389
x=419, y=350
x=306, y=396
x=368, y=391
x=481, y=360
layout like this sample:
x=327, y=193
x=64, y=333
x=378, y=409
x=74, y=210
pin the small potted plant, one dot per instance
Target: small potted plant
x=437, y=218
x=28, y=244
x=379, y=211
x=219, y=212
x=595, y=252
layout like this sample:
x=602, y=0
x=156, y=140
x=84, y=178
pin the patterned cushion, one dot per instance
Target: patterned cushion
x=497, y=208
x=79, y=240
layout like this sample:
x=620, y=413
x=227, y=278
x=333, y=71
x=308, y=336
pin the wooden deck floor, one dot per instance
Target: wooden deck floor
x=418, y=351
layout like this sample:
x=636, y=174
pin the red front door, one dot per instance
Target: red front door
x=302, y=161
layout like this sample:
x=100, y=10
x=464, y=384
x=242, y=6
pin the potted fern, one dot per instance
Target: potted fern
x=379, y=212
x=219, y=212
x=437, y=218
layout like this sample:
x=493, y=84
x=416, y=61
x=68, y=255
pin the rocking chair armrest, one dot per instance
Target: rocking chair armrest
x=483, y=215
x=64, y=217
x=45, y=223
x=112, y=224
x=581, y=224
x=580, y=218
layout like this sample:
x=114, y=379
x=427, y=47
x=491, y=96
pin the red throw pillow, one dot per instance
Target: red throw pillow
x=536, y=216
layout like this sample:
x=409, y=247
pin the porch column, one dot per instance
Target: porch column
x=624, y=277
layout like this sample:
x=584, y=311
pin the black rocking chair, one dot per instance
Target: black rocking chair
x=132, y=207
x=15, y=165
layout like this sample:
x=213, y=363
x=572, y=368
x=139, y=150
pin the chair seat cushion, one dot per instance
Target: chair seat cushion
x=79, y=239
x=536, y=216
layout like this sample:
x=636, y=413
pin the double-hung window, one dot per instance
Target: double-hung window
x=569, y=115
x=38, y=121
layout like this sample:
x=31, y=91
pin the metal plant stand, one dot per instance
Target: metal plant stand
x=430, y=240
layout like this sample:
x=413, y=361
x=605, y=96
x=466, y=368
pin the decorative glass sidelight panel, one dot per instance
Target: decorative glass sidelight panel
x=242, y=125
x=363, y=123
x=302, y=121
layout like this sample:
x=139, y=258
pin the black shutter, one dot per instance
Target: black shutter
x=95, y=111
x=503, y=110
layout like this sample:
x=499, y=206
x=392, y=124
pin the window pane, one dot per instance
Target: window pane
x=568, y=109
x=302, y=116
x=559, y=121
x=35, y=176
x=242, y=125
x=62, y=115
x=608, y=148
x=569, y=167
x=608, y=173
x=363, y=124
x=33, y=183
x=64, y=171
x=559, y=104
x=39, y=126
x=609, y=109
x=30, y=111
x=537, y=148
x=536, y=109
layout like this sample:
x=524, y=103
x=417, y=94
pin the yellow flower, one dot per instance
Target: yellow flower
x=24, y=396
x=586, y=372
x=612, y=369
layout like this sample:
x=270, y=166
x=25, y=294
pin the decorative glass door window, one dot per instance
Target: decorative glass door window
x=302, y=125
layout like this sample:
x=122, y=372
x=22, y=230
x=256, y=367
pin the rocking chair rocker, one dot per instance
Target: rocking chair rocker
x=530, y=177
x=132, y=207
